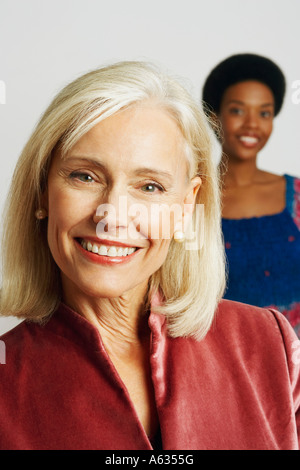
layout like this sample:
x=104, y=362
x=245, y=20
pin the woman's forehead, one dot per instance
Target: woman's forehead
x=249, y=91
x=146, y=137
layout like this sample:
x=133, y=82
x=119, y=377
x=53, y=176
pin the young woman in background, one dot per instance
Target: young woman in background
x=261, y=210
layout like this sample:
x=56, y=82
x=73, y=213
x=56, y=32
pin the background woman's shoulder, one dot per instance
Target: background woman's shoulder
x=293, y=197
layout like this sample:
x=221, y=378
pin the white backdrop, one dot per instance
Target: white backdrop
x=45, y=44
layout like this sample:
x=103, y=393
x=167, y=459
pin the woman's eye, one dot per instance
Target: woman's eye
x=237, y=111
x=151, y=188
x=266, y=114
x=83, y=177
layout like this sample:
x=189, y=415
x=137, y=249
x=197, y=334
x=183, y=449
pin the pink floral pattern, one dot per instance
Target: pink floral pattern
x=296, y=205
x=292, y=314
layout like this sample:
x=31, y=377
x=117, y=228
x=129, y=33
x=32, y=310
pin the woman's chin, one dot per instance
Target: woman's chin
x=102, y=290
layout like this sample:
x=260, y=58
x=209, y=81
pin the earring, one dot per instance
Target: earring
x=40, y=214
x=179, y=236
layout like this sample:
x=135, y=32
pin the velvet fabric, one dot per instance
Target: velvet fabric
x=237, y=389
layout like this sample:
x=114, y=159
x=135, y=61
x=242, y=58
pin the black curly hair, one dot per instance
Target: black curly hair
x=238, y=68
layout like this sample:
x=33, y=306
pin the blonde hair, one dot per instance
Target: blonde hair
x=190, y=282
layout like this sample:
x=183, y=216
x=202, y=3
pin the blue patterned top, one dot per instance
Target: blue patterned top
x=263, y=255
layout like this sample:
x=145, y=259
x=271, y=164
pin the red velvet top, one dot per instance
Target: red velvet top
x=239, y=388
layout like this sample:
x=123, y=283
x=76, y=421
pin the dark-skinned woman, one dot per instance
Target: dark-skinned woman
x=260, y=210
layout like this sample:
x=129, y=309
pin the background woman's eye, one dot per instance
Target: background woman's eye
x=266, y=114
x=237, y=111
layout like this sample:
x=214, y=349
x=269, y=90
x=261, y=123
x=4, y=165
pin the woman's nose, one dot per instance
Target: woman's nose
x=251, y=119
x=111, y=214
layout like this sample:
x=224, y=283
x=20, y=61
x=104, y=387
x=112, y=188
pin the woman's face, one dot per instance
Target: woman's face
x=105, y=231
x=246, y=116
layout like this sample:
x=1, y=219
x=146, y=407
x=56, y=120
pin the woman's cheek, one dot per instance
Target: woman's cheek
x=162, y=220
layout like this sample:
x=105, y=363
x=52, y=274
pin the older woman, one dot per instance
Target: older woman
x=121, y=347
x=261, y=210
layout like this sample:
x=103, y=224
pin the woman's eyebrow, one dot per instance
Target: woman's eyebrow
x=83, y=159
x=138, y=171
x=243, y=103
x=154, y=172
x=236, y=102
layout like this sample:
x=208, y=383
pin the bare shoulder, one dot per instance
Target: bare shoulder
x=265, y=177
x=266, y=195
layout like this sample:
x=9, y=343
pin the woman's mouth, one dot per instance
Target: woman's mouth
x=248, y=141
x=111, y=251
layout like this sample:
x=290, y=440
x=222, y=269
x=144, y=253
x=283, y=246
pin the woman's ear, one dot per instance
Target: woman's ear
x=190, y=200
x=42, y=211
x=193, y=189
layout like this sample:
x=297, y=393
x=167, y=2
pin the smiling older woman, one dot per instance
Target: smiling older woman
x=125, y=343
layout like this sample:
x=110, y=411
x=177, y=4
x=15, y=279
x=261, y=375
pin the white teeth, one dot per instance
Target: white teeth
x=95, y=249
x=112, y=251
x=102, y=250
x=105, y=250
x=248, y=139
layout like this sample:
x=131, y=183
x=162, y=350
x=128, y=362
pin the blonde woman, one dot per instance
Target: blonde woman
x=125, y=343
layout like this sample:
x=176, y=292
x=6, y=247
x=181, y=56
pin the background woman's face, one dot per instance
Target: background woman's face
x=246, y=116
x=100, y=196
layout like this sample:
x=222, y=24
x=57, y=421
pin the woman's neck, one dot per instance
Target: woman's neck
x=123, y=325
x=122, y=322
x=237, y=173
x=249, y=192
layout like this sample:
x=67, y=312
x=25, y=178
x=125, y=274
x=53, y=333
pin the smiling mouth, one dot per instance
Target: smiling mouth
x=107, y=250
x=248, y=140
